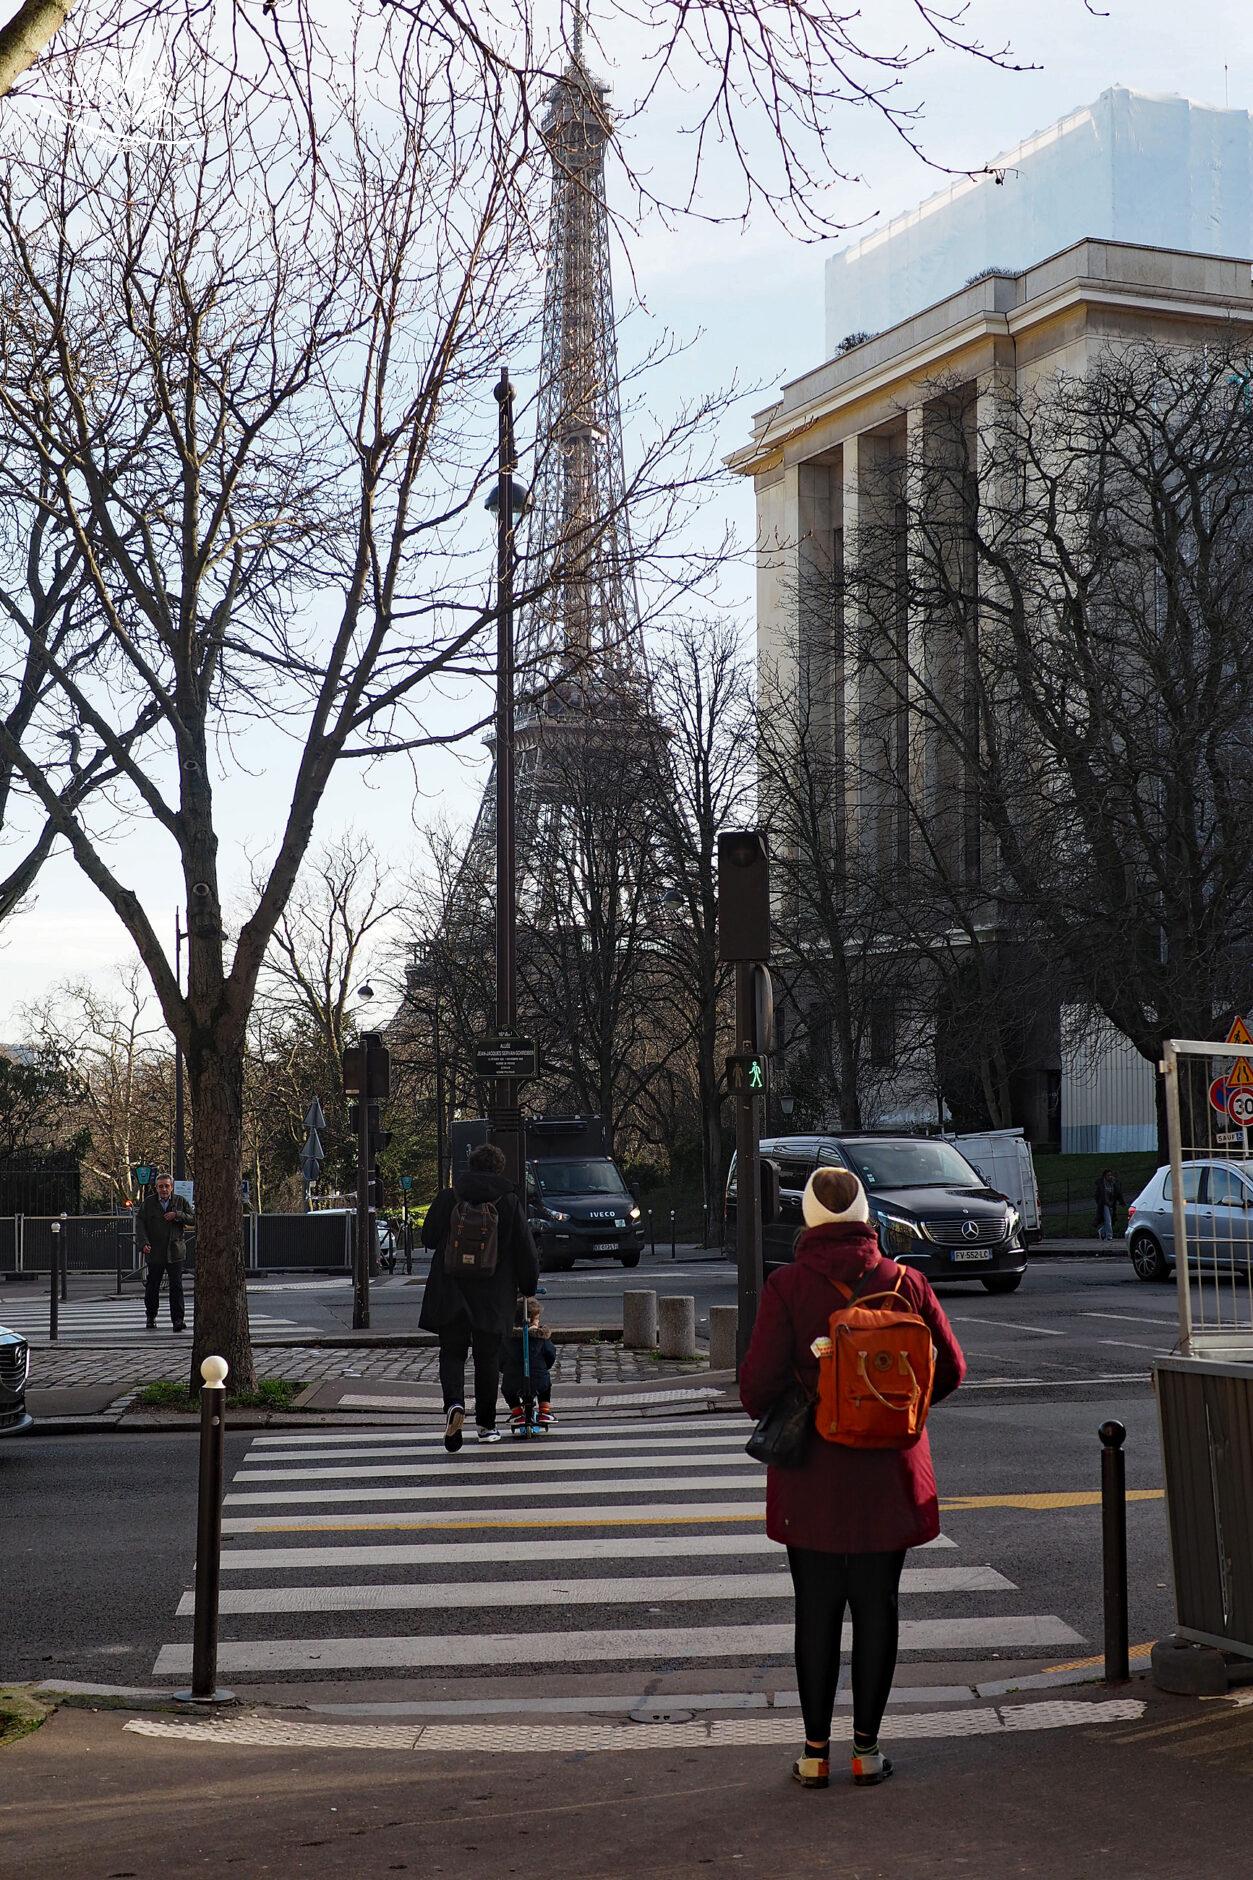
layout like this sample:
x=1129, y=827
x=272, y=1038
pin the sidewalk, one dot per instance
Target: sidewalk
x=95, y=1389
x=1085, y=1782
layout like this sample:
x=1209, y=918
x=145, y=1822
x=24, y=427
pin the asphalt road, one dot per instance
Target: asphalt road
x=99, y=1530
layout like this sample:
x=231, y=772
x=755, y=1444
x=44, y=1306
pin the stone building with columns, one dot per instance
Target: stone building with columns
x=817, y=455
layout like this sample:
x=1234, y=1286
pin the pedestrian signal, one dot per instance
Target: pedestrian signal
x=747, y=1074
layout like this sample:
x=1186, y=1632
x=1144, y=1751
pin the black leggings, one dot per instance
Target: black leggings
x=869, y=1584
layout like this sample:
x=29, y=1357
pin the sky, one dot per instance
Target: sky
x=746, y=306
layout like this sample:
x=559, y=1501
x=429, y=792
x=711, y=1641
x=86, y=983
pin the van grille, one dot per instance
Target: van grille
x=953, y=1230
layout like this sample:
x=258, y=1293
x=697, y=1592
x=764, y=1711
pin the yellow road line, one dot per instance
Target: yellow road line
x=956, y=1504
x=544, y=1521
x=1082, y=1664
x=1065, y=1498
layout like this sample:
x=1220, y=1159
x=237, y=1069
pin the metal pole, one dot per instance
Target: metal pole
x=408, y=1236
x=672, y=1240
x=747, y=1171
x=1169, y=1068
x=65, y=1261
x=204, y=1651
x=180, y=1126
x=506, y=1116
x=54, y=1283
x=117, y=1249
x=440, y=1156
x=652, y=1235
x=361, y=1252
x=1114, y=1544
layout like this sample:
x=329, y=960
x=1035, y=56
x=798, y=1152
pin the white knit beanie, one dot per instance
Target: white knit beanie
x=834, y=1194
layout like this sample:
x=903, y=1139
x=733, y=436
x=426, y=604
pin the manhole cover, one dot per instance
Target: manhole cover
x=657, y=1714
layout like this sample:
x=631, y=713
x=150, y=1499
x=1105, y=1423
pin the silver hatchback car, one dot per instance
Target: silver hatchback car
x=1218, y=1218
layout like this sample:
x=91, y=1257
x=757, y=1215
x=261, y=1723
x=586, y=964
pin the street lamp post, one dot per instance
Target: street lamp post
x=508, y=501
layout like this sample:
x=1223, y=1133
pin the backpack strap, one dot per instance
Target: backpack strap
x=856, y=1296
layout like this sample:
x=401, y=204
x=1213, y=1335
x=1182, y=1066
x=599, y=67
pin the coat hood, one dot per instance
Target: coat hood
x=475, y=1184
x=842, y=1250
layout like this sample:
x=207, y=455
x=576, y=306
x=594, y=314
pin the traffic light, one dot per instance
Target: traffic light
x=743, y=895
x=748, y=1072
x=368, y=1062
x=377, y=1137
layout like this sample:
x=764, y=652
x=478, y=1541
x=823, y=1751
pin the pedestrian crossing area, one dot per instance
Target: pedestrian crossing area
x=607, y=1548
x=122, y=1322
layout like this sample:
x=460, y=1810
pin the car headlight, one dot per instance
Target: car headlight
x=634, y=1214
x=895, y=1233
x=555, y=1214
x=1015, y=1221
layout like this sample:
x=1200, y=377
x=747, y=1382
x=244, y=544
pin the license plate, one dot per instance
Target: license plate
x=605, y=1246
x=970, y=1253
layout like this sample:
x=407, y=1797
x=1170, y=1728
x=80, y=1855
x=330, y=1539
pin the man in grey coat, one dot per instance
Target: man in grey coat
x=163, y=1222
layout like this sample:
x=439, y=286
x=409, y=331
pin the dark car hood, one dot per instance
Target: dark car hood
x=924, y=1202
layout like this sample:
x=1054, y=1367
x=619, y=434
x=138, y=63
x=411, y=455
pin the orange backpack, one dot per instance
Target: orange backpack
x=876, y=1372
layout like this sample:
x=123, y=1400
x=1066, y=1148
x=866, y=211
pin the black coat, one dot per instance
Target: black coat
x=543, y=1356
x=486, y=1303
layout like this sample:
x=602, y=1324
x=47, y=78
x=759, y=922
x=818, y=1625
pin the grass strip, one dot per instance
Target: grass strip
x=272, y=1393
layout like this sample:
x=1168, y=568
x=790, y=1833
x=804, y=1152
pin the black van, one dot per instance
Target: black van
x=932, y=1209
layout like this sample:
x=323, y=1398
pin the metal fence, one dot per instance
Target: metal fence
x=1209, y=1193
x=99, y=1243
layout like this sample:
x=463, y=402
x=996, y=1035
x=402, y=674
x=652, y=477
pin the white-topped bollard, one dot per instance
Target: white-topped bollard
x=204, y=1660
x=639, y=1321
x=676, y=1326
x=723, y=1328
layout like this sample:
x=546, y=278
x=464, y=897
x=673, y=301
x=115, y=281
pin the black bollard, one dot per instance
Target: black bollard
x=672, y=1240
x=204, y=1652
x=54, y=1284
x=1114, y=1540
x=65, y=1260
x=652, y=1236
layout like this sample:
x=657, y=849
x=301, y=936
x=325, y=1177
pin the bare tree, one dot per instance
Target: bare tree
x=1081, y=564
x=247, y=390
x=123, y=1072
x=703, y=697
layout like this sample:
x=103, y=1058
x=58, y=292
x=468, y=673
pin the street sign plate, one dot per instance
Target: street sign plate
x=1240, y=1076
x=1218, y=1095
x=1240, y=1108
x=506, y=1057
x=1226, y=1135
x=1239, y=1033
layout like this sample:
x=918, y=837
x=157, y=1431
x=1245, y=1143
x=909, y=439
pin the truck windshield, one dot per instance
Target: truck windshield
x=586, y=1176
x=911, y=1165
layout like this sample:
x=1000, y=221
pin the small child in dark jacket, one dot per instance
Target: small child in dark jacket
x=543, y=1355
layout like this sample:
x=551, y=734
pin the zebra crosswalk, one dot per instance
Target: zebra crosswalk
x=606, y=1549
x=122, y=1322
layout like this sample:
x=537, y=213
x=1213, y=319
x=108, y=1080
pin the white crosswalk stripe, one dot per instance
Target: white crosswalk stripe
x=607, y=1549
x=122, y=1321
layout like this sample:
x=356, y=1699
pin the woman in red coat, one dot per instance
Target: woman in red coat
x=846, y=1516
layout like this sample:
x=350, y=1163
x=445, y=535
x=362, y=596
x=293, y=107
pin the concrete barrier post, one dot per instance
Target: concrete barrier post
x=676, y=1326
x=723, y=1324
x=639, y=1321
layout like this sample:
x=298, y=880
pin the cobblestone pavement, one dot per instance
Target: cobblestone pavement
x=576, y=1364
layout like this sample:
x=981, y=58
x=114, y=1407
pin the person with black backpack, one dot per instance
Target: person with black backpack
x=483, y=1257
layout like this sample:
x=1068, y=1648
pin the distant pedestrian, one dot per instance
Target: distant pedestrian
x=163, y=1222
x=1108, y=1196
x=473, y=1310
x=539, y=1358
x=846, y=1516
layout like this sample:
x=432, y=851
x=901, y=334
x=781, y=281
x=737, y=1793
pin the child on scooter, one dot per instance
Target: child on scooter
x=543, y=1355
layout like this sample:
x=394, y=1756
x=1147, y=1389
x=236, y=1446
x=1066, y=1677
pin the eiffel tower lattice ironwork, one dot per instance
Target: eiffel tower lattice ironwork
x=579, y=653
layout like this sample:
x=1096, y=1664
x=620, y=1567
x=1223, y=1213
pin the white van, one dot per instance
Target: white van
x=1003, y=1158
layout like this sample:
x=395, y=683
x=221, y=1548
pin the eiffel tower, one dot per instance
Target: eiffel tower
x=579, y=651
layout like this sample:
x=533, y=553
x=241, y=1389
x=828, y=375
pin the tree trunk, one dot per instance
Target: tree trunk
x=216, y=1078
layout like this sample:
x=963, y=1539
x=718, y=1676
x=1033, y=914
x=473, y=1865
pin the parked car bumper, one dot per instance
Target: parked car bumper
x=559, y=1246
x=14, y=1418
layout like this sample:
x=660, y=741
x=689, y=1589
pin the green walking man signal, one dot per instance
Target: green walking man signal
x=747, y=1072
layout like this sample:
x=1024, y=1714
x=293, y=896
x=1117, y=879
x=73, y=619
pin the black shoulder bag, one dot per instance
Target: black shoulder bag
x=782, y=1435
